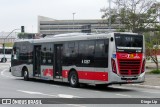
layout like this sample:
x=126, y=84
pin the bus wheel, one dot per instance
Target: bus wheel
x=4, y=59
x=25, y=75
x=73, y=79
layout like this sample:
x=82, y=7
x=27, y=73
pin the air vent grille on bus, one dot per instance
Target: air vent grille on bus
x=129, y=67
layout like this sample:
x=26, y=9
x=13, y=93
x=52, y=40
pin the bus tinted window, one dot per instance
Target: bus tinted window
x=100, y=48
x=101, y=53
x=126, y=42
x=86, y=47
x=15, y=53
x=1, y=51
x=46, y=54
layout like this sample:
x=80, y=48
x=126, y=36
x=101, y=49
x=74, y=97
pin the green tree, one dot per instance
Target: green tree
x=153, y=45
x=26, y=35
x=8, y=44
x=135, y=15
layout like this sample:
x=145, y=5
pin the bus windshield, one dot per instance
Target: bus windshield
x=129, y=43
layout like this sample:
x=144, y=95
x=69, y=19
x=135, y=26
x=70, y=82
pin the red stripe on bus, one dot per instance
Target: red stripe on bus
x=48, y=72
x=101, y=76
x=89, y=75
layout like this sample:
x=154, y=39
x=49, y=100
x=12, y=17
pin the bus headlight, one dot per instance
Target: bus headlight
x=114, y=66
x=143, y=66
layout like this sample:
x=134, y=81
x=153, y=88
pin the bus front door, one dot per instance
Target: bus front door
x=58, y=49
x=37, y=61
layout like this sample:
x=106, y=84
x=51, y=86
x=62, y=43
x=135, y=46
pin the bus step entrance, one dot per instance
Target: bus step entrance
x=37, y=75
x=59, y=77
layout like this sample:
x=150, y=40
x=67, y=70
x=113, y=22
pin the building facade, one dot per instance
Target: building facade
x=51, y=26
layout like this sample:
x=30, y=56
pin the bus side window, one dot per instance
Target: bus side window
x=15, y=54
x=1, y=51
x=106, y=46
x=100, y=48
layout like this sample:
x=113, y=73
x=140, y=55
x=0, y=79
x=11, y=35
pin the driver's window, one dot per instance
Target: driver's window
x=15, y=53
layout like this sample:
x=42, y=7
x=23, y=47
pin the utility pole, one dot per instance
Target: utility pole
x=4, y=57
x=109, y=14
x=73, y=20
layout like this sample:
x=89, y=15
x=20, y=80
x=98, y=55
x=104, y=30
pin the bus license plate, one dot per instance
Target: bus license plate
x=129, y=81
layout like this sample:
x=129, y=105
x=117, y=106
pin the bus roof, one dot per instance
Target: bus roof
x=73, y=37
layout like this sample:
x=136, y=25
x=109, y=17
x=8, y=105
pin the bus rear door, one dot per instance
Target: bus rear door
x=58, y=49
x=37, y=61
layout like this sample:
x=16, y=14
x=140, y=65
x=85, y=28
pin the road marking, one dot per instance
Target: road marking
x=123, y=95
x=38, y=93
x=151, y=92
x=59, y=95
x=67, y=96
x=148, y=86
x=5, y=65
x=75, y=105
x=55, y=86
x=74, y=88
x=29, y=92
x=2, y=73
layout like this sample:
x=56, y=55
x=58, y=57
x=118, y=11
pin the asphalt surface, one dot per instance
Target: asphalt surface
x=16, y=87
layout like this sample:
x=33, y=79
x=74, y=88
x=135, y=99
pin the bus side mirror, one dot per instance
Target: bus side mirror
x=111, y=39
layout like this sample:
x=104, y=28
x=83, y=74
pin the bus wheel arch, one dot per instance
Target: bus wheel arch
x=73, y=78
x=25, y=73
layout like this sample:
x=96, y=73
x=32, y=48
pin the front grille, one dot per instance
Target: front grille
x=129, y=67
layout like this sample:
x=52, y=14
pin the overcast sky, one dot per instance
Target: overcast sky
x=15, y=13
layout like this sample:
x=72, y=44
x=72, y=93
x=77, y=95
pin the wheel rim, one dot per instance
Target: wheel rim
x=3, y=60
x=25, y=73
x=73, y=79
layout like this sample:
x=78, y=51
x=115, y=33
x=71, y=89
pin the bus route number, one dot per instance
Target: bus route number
x=85, y=61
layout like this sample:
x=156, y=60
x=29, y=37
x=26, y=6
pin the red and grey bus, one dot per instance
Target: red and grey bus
x=112, y=58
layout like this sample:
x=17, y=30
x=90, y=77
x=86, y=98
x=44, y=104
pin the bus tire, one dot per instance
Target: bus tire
x=4, y=60
x=26, y=75
x=73, y=79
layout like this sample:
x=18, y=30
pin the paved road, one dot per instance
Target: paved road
x=16, y=87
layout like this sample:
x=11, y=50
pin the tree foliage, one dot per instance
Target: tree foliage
x=136, y=15
x=9, y=44
x=152, y=46
x=25, y=35
x=30, y=35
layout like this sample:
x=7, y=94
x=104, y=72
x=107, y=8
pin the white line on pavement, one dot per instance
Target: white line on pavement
x=59, y=95
x=152, y=92
x=55, y=86
x=68, y=96
x=148, y=86
x=2, y=74
x=75, y=105
x=53, y=95
x=123, y=95
x=74, y=88
x=38, y=93
x=65, y=96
